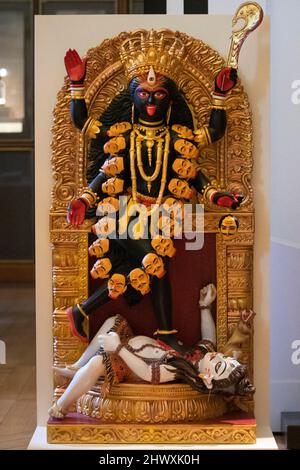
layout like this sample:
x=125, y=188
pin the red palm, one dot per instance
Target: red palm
x=75, y=66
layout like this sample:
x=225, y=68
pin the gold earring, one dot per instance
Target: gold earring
x=132, y=114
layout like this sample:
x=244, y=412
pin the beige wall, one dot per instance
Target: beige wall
x=54, y=35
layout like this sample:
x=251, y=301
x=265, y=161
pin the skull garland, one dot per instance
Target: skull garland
x=108, y=205
x=181, y=189
x=101, y=269
x=99, y=247
x=113, y=166
x=116, y=285
x=163, y=246
x=114, y=145
x=183, y=131
x=119, y=128
x=184, y=168
x=104, y=227
x=186, y=149
x=171, y=219
x=154, y=265
x=140, y=280
x=113, y=186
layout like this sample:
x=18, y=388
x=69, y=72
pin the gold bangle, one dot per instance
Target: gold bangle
x=89, y=196
x=208, y=191
x=150, y=124
x=77, y=94
x=165, y=332
x=218, y=103
x=82, y=311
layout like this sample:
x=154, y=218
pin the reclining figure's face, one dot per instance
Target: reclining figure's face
x=215, y=367
x=152, y=101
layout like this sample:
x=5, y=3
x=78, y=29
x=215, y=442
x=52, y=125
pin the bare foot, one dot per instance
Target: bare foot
x=56, y=411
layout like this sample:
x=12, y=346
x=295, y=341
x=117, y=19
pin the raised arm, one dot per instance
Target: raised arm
x=76, y=69
x=215, y=129
x=208, y=327
x=206, y=135
x=224, y=82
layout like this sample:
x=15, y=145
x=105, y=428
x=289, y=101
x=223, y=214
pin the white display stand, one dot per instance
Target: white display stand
x=53, y=36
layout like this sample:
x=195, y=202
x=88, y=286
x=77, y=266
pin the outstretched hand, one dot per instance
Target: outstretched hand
x=75, y=66
x=76, y=212
x=207, y=295
x=227, y=199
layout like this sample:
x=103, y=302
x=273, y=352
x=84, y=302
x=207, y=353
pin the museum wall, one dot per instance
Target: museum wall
x=285, y=210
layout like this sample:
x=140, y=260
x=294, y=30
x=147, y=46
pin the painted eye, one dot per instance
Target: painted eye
x=143, y=94
x=159, y=95
x=217, y=366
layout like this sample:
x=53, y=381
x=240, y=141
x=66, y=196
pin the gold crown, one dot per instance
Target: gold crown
x=160, y=49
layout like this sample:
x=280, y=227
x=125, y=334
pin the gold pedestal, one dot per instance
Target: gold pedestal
x=152, y=414
x=144, y=403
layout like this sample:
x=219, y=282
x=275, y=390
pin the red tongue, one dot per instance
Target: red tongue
x=151, y=109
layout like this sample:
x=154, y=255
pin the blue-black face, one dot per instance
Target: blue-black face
x=151, y=102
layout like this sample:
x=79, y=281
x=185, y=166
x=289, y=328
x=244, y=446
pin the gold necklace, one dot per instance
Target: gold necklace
x=151, y=124
x=135, y=150
x=149, y=136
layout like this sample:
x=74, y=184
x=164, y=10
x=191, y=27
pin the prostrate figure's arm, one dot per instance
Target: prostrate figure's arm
x=155, y=372
x=208, y=327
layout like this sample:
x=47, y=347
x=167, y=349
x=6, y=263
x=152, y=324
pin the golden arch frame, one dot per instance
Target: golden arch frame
x=228, y=162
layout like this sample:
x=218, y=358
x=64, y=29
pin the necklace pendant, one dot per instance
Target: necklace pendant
x=149, y=186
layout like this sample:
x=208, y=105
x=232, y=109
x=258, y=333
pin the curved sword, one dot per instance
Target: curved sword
x=251, y=15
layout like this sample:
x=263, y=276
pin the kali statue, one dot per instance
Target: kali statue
x=144, y=147
x=116, y=355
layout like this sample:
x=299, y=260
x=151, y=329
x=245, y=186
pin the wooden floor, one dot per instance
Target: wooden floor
x=17, y=376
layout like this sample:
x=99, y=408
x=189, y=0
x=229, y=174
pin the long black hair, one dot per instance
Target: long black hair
x=120, y=109
x=188, y=373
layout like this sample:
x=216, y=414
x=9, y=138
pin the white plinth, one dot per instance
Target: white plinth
x=265, y=441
